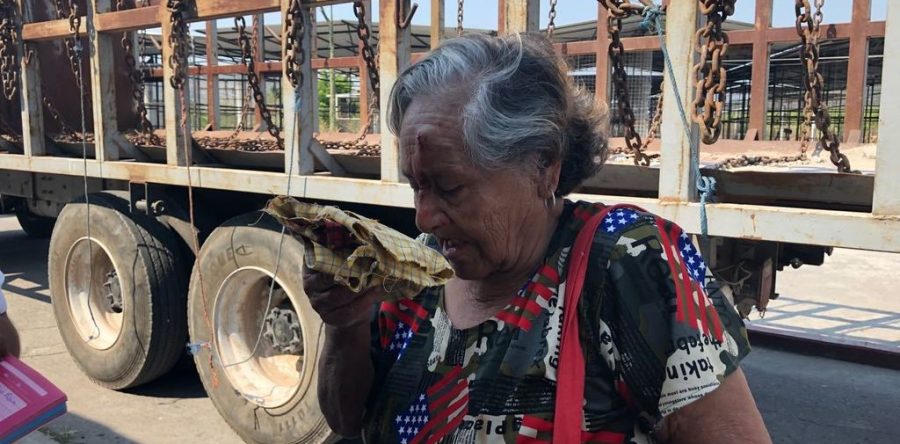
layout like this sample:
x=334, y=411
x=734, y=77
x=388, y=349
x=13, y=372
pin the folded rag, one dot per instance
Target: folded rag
x=359, y=252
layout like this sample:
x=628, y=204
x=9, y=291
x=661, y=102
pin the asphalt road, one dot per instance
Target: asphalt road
x=803, y=399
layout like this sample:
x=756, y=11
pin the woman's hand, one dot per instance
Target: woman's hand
x=338, y=306
x=345, y=369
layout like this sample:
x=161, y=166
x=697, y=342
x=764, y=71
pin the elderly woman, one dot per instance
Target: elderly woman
x=493, y=135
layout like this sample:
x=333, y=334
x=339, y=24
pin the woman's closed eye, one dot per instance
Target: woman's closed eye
x=450, y=191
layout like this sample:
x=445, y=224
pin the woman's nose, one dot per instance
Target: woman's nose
x=429, y=216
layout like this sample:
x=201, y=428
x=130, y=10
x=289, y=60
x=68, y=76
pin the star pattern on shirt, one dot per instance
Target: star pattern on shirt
x=402, y=335
x=409, y=423
x=620, y=219
x=691, y=256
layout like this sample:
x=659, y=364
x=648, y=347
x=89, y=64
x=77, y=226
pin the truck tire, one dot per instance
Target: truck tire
x=123, y=321
x=34, y=225
x=256, y=350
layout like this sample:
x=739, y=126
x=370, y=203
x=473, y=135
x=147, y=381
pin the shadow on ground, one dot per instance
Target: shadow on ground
x=832, y=321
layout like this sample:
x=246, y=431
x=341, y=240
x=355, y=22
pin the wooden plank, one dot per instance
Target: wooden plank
x=128, y=20
x=212, y=80
x=178, y=147
x=857, y=66
x=265, y=67
x=30, y=94
x=759, y=74
x=521, y=16
x=886, y=200
x=48, y=30
x=676, y=181
x=103, y=85
x=437, y=22
x=601, y=84
x=756, y=222
x=393, y=53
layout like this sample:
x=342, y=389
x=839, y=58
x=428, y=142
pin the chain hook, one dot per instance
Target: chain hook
x=404, y=23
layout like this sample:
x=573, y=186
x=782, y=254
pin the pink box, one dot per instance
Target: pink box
x=27, y=400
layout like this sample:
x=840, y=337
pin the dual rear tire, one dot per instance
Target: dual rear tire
x=124, y=306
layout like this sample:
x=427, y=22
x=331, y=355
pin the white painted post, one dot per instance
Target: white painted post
x=298, y=123
x=30, y=93
x=676, y=179
x=176, y=154
x=103, y=84
x=886, y=198
x=393, y=52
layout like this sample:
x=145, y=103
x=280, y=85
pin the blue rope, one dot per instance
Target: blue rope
x=705, y=185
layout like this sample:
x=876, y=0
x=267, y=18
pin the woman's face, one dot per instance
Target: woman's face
x=483, y=219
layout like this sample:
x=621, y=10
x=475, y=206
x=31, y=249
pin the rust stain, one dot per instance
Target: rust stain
x=753, y=222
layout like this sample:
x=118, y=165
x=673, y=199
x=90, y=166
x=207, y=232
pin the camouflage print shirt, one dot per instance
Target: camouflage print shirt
x=656, y=331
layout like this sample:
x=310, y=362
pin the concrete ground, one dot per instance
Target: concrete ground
x=803, y=399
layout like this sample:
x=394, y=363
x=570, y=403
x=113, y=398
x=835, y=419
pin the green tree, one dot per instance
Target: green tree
x=342, y=85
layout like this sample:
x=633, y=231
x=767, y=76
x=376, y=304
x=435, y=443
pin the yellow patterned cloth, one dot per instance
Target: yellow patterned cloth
x=360, y=252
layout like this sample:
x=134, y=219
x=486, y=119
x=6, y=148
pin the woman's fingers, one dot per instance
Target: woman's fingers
x=337, y=305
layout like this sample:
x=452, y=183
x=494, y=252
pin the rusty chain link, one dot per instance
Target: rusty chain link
x=709, y=73
x=551, y=24
x=294, y=56
x=9, y=58
x=808, y=28
x=459, y=18
x=656, y=121
x=64, y=127
x=249, y=53
x=620, y=9
x=368, y=52
x=73, y=46
x=178, y=40
x=136, y=77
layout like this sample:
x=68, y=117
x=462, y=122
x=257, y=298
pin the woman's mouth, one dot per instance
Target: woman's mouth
x=452, y=248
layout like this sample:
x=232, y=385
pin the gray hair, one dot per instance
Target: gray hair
x=522, y=108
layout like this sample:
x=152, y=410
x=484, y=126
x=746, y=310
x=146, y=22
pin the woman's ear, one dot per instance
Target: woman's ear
x=548, y=178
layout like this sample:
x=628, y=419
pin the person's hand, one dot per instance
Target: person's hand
x=9, y=338
x=338, y=306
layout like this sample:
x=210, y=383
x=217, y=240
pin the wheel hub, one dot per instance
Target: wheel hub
x=113, y=291
x=282, y=330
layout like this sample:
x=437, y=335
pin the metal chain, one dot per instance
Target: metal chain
x=551, y=24
x=248, y=56
x=72, y=44
x=368, y=53
x=67, y=130
x=136, y=77
x=656, y=121
x=459, y=17
x=294, y=55
x=616, y=52
x=178, y=41
x=9, y=59
x=808, y=28
x=709, y=73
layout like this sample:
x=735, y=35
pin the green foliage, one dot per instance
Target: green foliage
x=342, y=85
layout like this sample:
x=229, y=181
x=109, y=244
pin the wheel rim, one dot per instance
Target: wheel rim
x=242, y=317
x=93, y=293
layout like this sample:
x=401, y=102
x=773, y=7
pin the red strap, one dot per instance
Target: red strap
x=568, y=415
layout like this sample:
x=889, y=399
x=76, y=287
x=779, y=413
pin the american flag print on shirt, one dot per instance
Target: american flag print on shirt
x=694, y=307
x=437, y=412
x=619, y=220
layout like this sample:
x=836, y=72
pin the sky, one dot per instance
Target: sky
x=483, y=14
